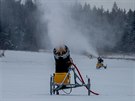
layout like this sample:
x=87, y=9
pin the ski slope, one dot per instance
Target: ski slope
x=25, y=76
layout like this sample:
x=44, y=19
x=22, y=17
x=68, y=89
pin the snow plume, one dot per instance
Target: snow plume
x=24, y=1
x=61, y=29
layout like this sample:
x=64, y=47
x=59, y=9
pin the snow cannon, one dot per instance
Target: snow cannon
x=65, y=69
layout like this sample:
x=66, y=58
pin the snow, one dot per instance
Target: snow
x=24, y=76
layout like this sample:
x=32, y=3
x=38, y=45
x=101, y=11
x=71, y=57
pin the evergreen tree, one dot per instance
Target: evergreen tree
x=21, y=27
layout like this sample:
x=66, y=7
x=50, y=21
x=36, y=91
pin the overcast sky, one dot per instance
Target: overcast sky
x=107, y=4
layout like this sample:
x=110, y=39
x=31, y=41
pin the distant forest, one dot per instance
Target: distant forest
x=20, y=25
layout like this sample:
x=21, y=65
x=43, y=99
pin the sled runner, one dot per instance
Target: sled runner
x=62, y=81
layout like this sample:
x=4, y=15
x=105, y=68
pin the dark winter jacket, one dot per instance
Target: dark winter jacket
x=100, y=60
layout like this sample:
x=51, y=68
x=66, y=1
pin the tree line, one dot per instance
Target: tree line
x=20, y=26
x=115, y=29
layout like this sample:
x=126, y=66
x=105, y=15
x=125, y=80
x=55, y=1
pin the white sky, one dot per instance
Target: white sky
x=107, y=4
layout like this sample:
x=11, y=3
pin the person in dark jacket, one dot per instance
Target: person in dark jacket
x=62, y=59
x=100, y=63
x=100, y=60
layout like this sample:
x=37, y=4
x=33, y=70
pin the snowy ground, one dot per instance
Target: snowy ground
x=24, y=76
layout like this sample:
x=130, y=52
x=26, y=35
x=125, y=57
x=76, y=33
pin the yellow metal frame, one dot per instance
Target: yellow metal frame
x=59, y=77
x=98, y=65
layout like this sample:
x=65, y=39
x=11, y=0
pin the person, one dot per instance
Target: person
x=100, y=60
x=62, y=59
x=100, y=63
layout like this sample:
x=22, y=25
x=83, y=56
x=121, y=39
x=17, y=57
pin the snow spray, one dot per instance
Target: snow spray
x=23, y=2
x=61, y=29
x=57, y=26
